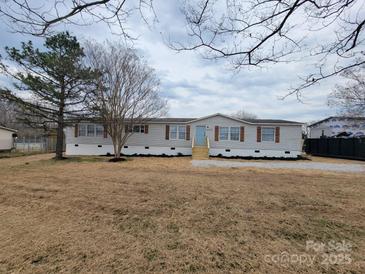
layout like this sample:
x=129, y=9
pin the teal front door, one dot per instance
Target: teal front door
x=200, y=135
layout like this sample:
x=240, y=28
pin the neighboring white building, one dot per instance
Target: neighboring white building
x=6, y=138
x=338, y=127
x=221, y=134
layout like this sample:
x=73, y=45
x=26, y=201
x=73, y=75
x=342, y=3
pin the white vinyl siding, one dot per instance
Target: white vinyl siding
x=268, y=134
x=6, y=139
x=155, y=137
x=290, y=136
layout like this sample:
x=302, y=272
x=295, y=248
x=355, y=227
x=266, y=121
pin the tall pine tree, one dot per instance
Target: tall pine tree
x=50, y=85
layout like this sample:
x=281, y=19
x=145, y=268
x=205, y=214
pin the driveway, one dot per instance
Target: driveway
x=355, y=168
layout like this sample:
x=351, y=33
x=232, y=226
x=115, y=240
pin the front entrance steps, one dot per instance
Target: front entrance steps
x=200, y=153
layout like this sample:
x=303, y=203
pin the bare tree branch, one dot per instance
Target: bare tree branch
x=38, y=18
x=255, y=32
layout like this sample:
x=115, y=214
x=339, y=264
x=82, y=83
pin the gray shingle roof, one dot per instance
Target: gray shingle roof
x=253, y=121
x=187, y=120
x=171, y=120
x=269, y=121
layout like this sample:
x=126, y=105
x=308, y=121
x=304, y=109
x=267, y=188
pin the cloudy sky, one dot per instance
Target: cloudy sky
x=197, y=87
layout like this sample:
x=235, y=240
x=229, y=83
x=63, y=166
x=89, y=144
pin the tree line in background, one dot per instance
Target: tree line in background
x=61, y=85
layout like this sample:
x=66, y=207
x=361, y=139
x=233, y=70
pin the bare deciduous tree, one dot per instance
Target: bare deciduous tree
x=350, y=97
x=242, y=114
x=255, y=32
x=127, y=93
x=38, y=17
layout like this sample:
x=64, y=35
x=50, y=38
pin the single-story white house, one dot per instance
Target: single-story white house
x=7, y=138
x=220, y=134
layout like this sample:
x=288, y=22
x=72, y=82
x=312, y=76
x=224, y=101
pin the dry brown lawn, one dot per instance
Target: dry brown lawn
x=161, y=215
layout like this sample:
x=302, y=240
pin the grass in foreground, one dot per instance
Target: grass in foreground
x=162, y=215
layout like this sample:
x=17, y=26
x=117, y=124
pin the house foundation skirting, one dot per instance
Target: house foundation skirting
x=94, y=149
x=259, y=153
x=87, y=149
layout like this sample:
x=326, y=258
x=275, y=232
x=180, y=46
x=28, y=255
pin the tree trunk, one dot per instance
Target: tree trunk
x=117, y=152
x=116, y=147
x=60, y=124
x=118, y=142
x=59, y=144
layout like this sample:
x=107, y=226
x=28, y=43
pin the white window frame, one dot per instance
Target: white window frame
x=176, y=132
x=140, y=129
x=262, y=134
x=181, y=131
x=101, y=132
x=220, y=132
x=136, y=131
x=230, y=132
x=84, y=126
x=87, y=130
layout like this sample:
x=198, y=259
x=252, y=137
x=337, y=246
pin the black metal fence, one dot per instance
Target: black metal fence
x=351, y=148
